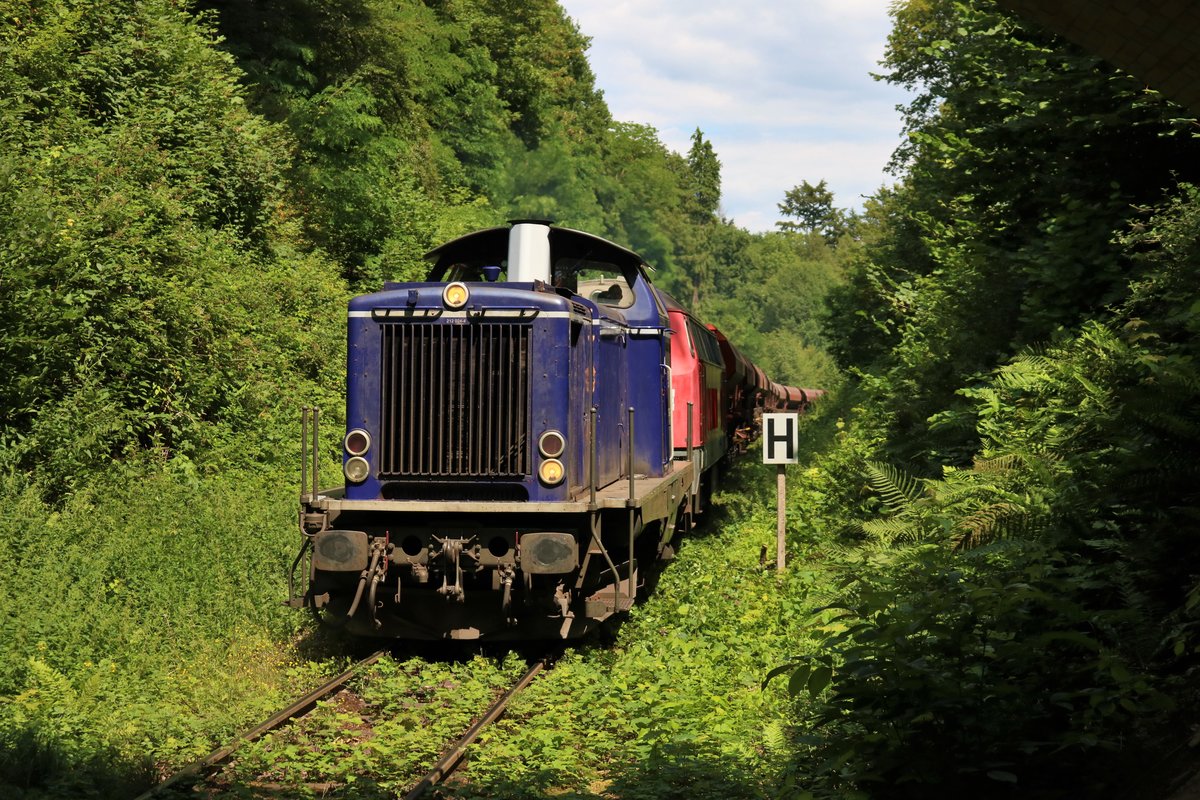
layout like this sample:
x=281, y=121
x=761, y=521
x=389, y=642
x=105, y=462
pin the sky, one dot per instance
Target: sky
x=782, y=89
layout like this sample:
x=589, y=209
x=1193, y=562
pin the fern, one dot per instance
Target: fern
x=1025, y=373
x=998, y=464
x=990, y=523
x=892, y=530
x=898, y=489
x=774, y=738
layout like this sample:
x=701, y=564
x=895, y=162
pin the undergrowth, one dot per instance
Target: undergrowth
x=145, y=627
x=380, y=737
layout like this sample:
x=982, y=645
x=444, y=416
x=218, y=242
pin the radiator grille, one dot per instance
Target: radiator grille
x=455, y=400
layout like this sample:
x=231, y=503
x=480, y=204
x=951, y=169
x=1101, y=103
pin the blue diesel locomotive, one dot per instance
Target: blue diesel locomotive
x=509, y=458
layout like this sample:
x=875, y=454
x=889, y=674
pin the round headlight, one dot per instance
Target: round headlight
x=357, y=442
x=551, y=472
x=357, y=469
x=551, y=444
x=455, y=295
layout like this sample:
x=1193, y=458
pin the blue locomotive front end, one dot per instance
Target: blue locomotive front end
x=507, y=455
x=447, y=400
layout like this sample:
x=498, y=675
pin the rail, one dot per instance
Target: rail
x=453, y=758
x=198, y=769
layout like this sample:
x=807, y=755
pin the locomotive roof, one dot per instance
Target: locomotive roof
x=672, y=304
x=492, y=244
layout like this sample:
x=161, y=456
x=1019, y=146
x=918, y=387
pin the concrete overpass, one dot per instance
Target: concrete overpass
x=1155, y=40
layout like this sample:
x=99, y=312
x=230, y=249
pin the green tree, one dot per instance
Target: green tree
x=812, y=211
x=1024, y=327
x=155, y=296
x=1008, y=230
x=704, y=179
x=644, y=194
x=702, y=185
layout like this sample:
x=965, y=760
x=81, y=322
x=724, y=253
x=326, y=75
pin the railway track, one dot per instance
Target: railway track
x=453, y=757
x=198, y=771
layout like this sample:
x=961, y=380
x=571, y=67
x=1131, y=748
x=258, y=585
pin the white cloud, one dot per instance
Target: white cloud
x=757, y=173
x=782, y=89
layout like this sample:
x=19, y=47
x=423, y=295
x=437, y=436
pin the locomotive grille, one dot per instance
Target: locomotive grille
x=455, y=400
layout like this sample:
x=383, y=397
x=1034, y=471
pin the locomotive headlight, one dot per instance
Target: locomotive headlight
x=551, y=472
x=357, y=469
x=455, y=295
x=357, y=442
x=551, y=444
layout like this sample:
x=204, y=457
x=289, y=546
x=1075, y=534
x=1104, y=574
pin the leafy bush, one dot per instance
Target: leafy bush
x=1024, y=157
x=970, y=673
x=150, y=290
x=146, y=624
x=673, y=707
x=1032, y=617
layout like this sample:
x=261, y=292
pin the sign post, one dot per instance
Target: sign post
x=781, y=439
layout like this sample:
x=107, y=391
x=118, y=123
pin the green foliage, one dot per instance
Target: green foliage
x=160, y=307
x=187, y=200
x=673, y=707
x=396, y=118
x=136, y=211
x=382, y=738
x=863, y=314
x=1044, y=619
x=813, y=211
x=704, y=179
x=1021, y=313
x=967, y=508
x=967, y=673
x=547, y=183
x=767, y=295
x=542, y=74
x=1024, y=157
x=645, y=192
x=145, y=625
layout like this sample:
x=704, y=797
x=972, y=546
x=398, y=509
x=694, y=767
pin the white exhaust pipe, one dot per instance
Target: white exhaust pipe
x=529, y=252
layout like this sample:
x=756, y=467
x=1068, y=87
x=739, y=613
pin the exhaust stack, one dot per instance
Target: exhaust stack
x=529, y=252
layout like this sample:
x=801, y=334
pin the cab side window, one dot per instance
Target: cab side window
x=602, y=283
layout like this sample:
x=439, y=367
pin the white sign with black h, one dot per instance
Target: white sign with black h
x=781, y=438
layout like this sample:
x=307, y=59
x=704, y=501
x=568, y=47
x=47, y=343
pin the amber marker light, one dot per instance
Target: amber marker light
x=357, y=469
x=455, y=295
x=551, y=472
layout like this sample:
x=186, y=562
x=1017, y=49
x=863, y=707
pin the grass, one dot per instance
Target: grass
x=143, y=626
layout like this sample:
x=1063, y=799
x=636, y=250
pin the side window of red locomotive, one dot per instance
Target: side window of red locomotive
x=697, y=342
x=705, y=343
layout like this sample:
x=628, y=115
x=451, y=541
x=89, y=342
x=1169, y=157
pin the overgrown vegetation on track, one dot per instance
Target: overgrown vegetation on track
x=674, y=707
x=670, y=703
x=381, y=736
